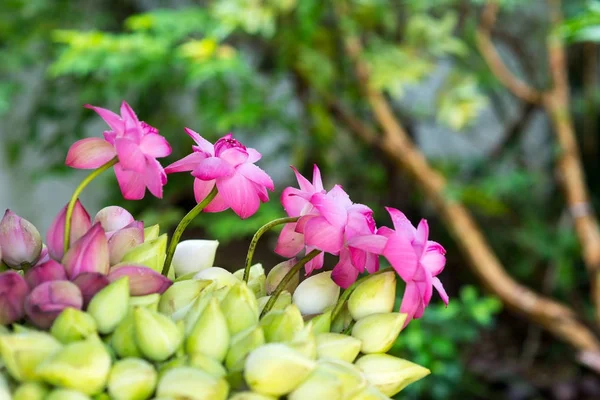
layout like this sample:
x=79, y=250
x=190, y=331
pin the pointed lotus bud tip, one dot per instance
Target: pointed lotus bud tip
x=246, y=395
x=278, y=272
x=221, y=276
x=337, y=346
x=210, y=335
x=304, y=341
x=209, y=365
x=240, y=308
x=179, y=298
x=321, y=323
x=275, y=369
x=123, y=240
x=109, y=306
x=283, y=300
x=191, y=383
x=194, y=256
x=23, y=352
x=113, y=218
x=256, y=280
x=158, y=337
x=90, y=283
x=241, y=345
x=142, y=280
x=151, y=232
x=151, y=253
x=378, y=332
x=13, y=291
x=47, y=301
x=81, y=366
x=55, y=237
x=376, y=294
x=45, y=272
x=30, y=391
x=316, y=293
x=281, y=326
x=123, y=339
x=132, y=378
x=390, y=374
x=149, y=301
x=73, y=325
x=20, y=241
x=88, y=254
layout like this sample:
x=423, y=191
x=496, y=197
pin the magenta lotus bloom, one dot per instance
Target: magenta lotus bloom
x=48, y=271
x=88, y=254
x=230, y=166
x=20, y=241
x=90, y=283
x=142, y=280
x=417, y=260
x=80, y=224
x=136, y=144
x=47, y=301
x=13, y=290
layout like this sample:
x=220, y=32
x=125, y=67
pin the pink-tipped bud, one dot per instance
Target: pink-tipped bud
x=48, y=271
x=20, y=241
x=13, y=290
x=47, y=301
x=80, y=224
x=88, y=254
x=44, y=256
x=90, y=283
x=142, y=280
x=124, y=240
x=113, y=218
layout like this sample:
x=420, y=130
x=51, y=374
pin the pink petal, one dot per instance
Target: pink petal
x=340, y=196
x=88, y=254
x=401, y=223
x=154, y=177
x=130, y=156
x=154, y=145
x=289, y=242
x=385, y=231
x=48, y=271
x=301, y=224
x=133, y=128
x=142, y=280
x=263, y=195
x=90, y=283
x=359, y=224
x=317, y=182
x=213, y=168
x=371, y=243
x=89, y=153
x=421, y=235
x=437, y=284
x=253, y=155
x=292, y=204
x=202, y=143
x=400, y=253
x=113, y=120
x=303, y=183
x=372, y=263
x=124, y=240
x=131, y=183
x=202, y=189
x=433, y=258
x=412, y=303
x=234, y=156
x=344, y=274
x=187, y=163
x=55, y=237
x=314, y=264
x=333, y=211
x=256, y=175
x=319, y=233
x=113, y=218
x=357, y=256
x=423, y=279
x=239, y=193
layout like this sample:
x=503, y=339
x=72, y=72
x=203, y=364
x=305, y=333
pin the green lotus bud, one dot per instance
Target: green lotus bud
x=321, y=323
x=123, y=339
x=316, y=293
x=194, y=256
x=220, y=276
x=102, y=396
x=276, y=369
x=151, y=232
x=256, y=281
x=29, y=391
x=337, y=346
x=81, y=366
x=23, y=352
x=179, y=361
x=375, y=295
x=158, y=337
x=277, y=273
x=191, y=383
x=319, y=385
x=370, y=393
x=240, y=308
x=201, y=302
x=72, y=325
x=210, y=335
x=390, y=374
x=179, y=298
x=131, y=379
x=251, y=396
x=378, y=332
x=66, y=394
x=209, y=365
x=18, y=328
x=342, y=321
x=110, y=305
x=151, y=253
x=241, y=345
x=283, y=300
x=281, y=326
x=353, y=381
x=149, y=301
x=304, y=342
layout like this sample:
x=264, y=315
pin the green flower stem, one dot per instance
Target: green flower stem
x=182, y=225
x=75, y=196
x=257, y=235
x=286, y=279
x=344, y=297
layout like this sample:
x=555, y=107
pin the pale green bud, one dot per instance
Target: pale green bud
x=151, y=232
x=240, y=308
x=351, y=378
x=179, y=297
x=220, y=276
x=18, y=328
x=210, y=335
x=191, y=383
x=66, y=394
x=23, y=352
x=132, y=379
x=194, y=256
x=319, y=385
x=281, y=326
x=321, y=323
x=337, y=346
x=375, y=295
x=370, y=393
x=342, y=321
x=209, y=365
x=110, y=305
x=81, y=366
x=251, y=396
x=102, y=396
x=241, y=345
x=180, y=361
x=72, y=325
x=123, y=339
x=201, y=302
x=149, y=301
x=378, y=332
x=256, y=280
x=278, y=272
x=283, y=300
x=30, y=391
x=304, y=342
x=316, y=293
x=275, y=369
x=390, y=374
x=158, y=337
x=151, y=253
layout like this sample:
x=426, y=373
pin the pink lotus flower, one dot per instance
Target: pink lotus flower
x=13, y=290
x=20, y=241
x=48, y=271
x=417, y=260
x=49, y=299
x=122, y=231
x=88, y=254
x=137, y=146
x=80, y=224
x=230, y=166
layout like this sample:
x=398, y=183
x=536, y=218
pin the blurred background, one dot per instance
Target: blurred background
x=483, y=100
